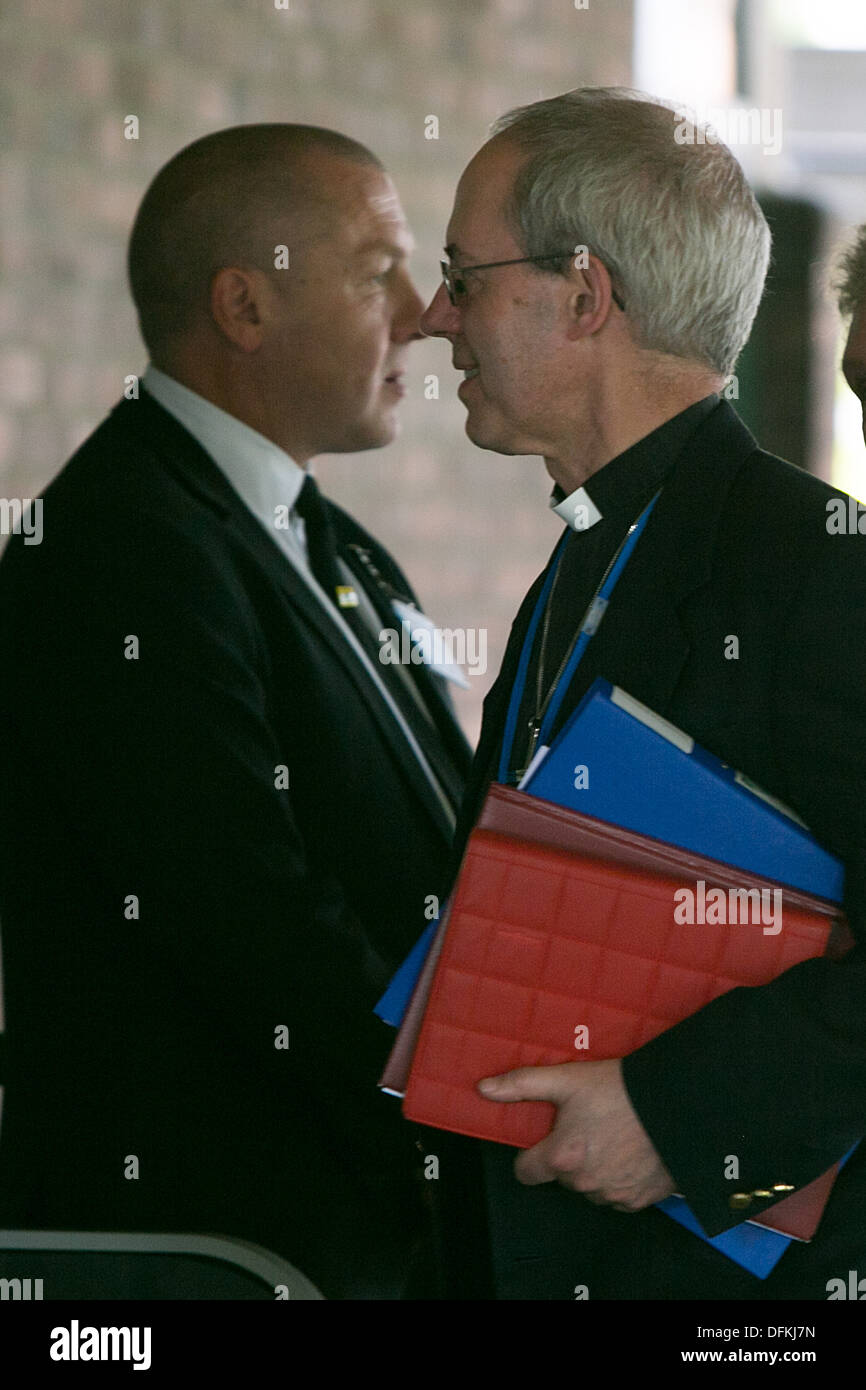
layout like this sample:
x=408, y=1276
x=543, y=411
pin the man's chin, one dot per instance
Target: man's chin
x=489, y=437
x=385, y=432
x=372, y=435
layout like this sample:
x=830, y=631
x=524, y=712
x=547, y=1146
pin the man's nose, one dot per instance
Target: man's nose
x=405, y=325
x=441, y=318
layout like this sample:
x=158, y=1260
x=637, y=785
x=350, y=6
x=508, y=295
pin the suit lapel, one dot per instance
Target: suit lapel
x=382, y=580
x=449, y=752
x=311, y=612
x=176, y=449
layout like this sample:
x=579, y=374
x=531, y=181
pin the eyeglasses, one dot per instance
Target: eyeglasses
x=455, y=285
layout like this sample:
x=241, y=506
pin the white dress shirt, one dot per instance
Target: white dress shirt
x=268, y=481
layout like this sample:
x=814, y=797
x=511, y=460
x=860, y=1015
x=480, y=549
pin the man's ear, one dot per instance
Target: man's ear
x=591, y=299
x=235, y=304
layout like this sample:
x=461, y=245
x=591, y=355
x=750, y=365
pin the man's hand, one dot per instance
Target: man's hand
x=598, y=1146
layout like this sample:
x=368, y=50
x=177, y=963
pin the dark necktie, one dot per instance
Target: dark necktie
x=322, y=546
x=323, y=555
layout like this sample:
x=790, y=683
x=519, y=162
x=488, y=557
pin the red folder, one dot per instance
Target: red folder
x=560, y=922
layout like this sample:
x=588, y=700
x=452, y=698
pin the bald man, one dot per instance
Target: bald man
x=223, y=814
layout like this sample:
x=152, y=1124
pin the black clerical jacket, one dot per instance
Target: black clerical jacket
x=738, y=546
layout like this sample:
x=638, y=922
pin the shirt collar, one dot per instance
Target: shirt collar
x=628, y=481
x=262, y=473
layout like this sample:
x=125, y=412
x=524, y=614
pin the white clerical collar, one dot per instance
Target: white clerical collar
x=577, y=510
x=263, y=474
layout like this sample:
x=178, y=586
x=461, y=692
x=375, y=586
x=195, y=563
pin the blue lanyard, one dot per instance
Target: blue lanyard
x=588, y=628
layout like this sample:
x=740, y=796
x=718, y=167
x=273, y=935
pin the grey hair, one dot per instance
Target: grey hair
x=850, y=278
x=662, y=204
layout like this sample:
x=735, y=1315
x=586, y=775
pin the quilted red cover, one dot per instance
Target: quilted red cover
x=560, y=920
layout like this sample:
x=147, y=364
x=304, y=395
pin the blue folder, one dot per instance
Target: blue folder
x=619, y=761
x=395, y=1001
x=755, y=1248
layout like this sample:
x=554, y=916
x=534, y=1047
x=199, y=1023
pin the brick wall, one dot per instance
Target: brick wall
x=471, y=527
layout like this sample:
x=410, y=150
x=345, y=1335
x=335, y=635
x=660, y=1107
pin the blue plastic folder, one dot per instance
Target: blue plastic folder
x=619, y=761
x=395, y=1001
x=756, y=1248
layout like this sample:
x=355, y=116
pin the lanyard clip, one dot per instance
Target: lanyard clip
x=594, y=615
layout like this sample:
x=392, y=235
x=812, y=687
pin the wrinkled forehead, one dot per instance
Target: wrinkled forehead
x=367, y=209
x=339, y=205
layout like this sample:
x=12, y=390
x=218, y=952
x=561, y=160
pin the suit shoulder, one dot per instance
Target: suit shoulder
x=117, y=520
x=116, y=489
x=766, y=476
x=795, y=527
x=778, y=496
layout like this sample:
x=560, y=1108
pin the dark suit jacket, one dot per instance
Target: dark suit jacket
x=738, y=546
x=150, y=1031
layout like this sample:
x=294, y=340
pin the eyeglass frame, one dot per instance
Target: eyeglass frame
x=449, y=272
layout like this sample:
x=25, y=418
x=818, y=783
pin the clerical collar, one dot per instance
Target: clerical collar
x=630, y=479
x=577, y=510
